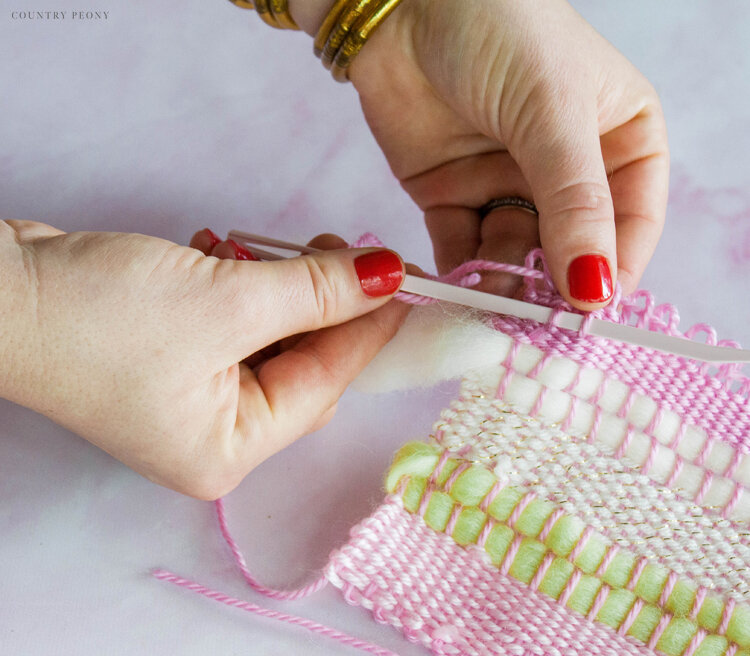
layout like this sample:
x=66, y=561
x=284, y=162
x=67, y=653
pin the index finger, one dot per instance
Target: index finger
x=638, y=156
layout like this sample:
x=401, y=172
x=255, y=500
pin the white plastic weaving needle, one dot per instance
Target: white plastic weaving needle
x=510, y=306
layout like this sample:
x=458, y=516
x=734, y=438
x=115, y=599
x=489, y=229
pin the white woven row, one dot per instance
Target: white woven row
x=622, y=504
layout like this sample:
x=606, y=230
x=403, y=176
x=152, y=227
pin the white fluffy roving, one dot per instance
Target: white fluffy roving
x=437, y=342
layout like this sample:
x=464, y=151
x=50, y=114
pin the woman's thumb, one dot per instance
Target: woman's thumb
x=287, y=297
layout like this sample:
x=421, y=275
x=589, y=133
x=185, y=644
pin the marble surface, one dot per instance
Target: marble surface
x=167, y=117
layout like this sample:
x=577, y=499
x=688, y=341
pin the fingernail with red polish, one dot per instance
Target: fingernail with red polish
x=215, y=239
x=590, y=279
x=240, y=252
x=380, y=273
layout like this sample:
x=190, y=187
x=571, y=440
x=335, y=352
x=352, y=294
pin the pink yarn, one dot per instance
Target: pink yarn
x=452, y=600
x=315, y=627
x=282, y=595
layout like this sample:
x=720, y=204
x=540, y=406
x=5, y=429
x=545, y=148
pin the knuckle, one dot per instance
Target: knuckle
x=651, y=96
x=326, y=372
x=324, y=288
x=384, y=326
x=211, y=468
x=589, y=201
x=209, y=485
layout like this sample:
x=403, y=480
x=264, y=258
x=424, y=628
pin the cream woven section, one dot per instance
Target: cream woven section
x=625, y=506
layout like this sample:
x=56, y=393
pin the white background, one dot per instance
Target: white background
x=173, y=116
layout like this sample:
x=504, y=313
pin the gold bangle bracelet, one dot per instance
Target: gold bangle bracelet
x=264, y=12
x=346, y=29
x=280, y=11
x=329, y=22
x=357, y=38
x=346, y=20
x=272, y=12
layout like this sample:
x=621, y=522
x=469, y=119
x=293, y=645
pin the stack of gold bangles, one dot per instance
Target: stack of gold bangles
x=344, y=32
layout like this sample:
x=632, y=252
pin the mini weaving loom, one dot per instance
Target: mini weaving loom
x=580, y=496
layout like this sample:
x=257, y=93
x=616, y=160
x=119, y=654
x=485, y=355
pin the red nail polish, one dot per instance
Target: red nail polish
x=590, y=279
x=215, y=239
x=380, y=273
x=240, y=252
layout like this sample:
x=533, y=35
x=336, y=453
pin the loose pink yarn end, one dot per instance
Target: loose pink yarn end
x=280, y=595
x=315, y=627
x=239, y=559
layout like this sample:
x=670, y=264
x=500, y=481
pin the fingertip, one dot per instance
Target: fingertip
x=590, y=281
x=628, y=281
x=380, y=272
x=579, y=239
x=327, y=242
x=231, y=250
x=414, y=270
x=204, y=241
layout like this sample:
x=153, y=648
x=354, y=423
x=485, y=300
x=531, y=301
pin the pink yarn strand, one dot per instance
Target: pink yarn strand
x=315, y=627
x=280, y=595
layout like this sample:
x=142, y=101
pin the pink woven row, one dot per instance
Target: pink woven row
x=677, y=384
x=713, y=398
x=453, y=600
x=507, y=562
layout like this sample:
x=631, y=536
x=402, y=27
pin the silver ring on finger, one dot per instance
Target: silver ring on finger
x=507, y=202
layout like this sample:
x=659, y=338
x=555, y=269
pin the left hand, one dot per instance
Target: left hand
x=163, y=355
